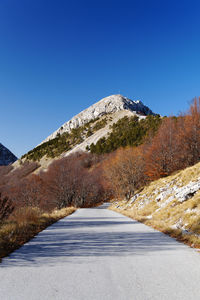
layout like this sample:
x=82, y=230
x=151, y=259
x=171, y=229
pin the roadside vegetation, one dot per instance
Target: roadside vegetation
x=23, y=224
x=29, y=202
x=170, y=205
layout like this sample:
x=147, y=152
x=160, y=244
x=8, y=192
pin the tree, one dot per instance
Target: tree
x=191, y=133
x=162, y=157
x=60, y=182
x=125, y=170
x=28, y=192
x=73, y=180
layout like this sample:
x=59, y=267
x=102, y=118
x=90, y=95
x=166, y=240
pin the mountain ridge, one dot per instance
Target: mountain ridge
x=6, y=156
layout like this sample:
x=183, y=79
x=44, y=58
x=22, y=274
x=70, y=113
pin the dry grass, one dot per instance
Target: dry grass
x=178, y=219
x=24, y=224
x=190, y=239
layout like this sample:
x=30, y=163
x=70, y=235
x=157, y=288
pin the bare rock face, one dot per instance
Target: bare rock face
x=108, y=105
x=6, y=156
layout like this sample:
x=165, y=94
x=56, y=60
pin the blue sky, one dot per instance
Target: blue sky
x=59, y=57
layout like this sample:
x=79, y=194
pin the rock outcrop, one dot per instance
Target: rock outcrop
x=6, y=156
x=108, y=105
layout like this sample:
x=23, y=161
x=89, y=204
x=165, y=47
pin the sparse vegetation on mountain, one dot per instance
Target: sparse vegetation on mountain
x=66, y=141
x=100, y=124
x=128, y=131
x=105, y=107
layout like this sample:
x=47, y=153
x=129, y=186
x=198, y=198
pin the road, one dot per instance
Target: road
x=99, y=254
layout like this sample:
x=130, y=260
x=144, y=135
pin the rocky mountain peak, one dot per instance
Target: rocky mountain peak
x=114, y=103
x=119, y=102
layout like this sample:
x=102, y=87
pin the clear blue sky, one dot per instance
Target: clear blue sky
x=58, y=57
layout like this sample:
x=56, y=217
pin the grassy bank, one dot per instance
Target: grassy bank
x=189, y=239
x=24, y=224
x=170, y=205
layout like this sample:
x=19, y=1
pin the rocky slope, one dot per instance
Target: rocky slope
x=6, y=156
x=170, y=204
x=103, y=132
x=108, y=105
x=86, y=128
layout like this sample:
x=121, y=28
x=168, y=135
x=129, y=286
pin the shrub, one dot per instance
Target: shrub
x=6, y=207
x=125, y=170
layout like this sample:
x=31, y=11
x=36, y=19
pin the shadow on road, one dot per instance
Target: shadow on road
x=79, y=237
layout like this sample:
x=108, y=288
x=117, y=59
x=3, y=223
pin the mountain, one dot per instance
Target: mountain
x=6, y=156
x=108, y=105
x=91, y=126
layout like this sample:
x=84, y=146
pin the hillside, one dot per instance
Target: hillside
x=89, y=127
x=170, y=204
x=6, y=156
x=108, y=105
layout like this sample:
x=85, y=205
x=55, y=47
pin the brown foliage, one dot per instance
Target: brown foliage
x=28, y=192
x=163, y=154
x=191, y=133
x=60, y=182
x=4, y=170
x=6, y=207
x=70, y=181
x=125, y=170
x=13, y=178
x=89, y=189
x=176, y=144
x=73, y=180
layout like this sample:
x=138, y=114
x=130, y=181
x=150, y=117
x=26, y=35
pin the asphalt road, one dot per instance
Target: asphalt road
x=99, y=254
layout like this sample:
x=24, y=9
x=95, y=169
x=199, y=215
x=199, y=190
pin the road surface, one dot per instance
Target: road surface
x=99, y=254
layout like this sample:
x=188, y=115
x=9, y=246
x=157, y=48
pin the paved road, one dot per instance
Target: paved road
x=98, y=254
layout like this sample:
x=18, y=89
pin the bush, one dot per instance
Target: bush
x=6, y=207
x=125, y=171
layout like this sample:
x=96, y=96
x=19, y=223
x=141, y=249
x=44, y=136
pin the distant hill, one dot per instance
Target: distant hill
x=6, y=156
